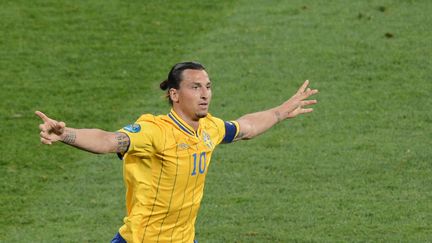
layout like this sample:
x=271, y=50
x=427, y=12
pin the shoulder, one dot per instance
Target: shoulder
x=211, y=120
x=150, y=119
x=146, y=123
x=147, y=118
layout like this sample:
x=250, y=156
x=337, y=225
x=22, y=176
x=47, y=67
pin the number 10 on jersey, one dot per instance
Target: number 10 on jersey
x=199, y=163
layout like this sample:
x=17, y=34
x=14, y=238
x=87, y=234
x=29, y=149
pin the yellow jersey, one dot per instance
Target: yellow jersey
x=164, y=171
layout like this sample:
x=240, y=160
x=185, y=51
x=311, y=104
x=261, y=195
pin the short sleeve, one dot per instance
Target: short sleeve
x=143, y=136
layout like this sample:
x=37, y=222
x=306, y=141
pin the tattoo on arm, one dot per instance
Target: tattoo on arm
x=278, y=116
x=122, y=142
x=70, y=137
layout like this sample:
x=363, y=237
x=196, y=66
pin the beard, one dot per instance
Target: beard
x=201, y=114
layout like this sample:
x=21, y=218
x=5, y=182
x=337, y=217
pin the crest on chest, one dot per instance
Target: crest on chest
x=207, y=140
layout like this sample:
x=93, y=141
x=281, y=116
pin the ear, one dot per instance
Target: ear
x=173, y=93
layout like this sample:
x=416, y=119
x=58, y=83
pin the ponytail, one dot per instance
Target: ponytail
x=164, y=85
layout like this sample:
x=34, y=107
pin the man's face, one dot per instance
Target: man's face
x=194, y=95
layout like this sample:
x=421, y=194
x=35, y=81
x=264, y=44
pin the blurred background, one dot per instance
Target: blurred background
x=358, y=169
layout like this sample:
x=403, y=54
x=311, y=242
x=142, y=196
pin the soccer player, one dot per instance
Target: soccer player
x=165, y=157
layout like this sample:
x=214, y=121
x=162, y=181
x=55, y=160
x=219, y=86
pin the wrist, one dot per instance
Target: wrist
x=68, y=136
x=278, y=115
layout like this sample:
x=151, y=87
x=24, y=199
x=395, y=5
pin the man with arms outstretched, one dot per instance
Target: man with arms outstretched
x=165, y=157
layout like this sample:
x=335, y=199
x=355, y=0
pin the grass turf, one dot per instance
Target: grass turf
x=358, y=169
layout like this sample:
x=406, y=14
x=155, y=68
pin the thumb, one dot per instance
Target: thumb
x=59, y=127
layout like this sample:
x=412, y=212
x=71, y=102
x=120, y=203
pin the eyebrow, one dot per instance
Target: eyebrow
x=198, y=83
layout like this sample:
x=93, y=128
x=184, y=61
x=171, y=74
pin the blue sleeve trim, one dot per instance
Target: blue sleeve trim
x=230, y=132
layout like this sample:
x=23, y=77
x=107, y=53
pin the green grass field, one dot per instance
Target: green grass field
x=358, y=169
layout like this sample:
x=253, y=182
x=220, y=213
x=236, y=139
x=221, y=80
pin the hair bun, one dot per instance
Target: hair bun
x=164, y=85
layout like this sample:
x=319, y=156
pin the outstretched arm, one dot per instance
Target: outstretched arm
x=253, y=124
x=91, y=140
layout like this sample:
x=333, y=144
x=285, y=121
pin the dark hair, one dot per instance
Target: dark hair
x=175, y=76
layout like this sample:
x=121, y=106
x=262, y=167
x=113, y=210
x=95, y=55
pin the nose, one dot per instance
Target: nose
x=205, y=93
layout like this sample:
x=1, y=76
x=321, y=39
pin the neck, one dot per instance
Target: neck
x=194, y=123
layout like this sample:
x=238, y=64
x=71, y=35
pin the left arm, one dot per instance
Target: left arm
x=253, y=124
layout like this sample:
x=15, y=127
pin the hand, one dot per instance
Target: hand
x=295, y=105
x=51, y=130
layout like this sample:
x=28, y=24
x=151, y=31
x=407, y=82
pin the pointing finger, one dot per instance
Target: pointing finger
x=42, y=116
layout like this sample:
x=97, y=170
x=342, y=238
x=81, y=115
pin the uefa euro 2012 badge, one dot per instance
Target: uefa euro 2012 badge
x=133, y=128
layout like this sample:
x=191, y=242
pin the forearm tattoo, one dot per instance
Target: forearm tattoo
x=69, y=137
x=122, y=142
x=278, y=116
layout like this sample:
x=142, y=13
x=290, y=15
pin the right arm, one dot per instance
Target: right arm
x=91, y=140
x=254, y=124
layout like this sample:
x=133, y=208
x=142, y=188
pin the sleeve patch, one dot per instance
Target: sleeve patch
x=230, y=132
x=133, y=128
